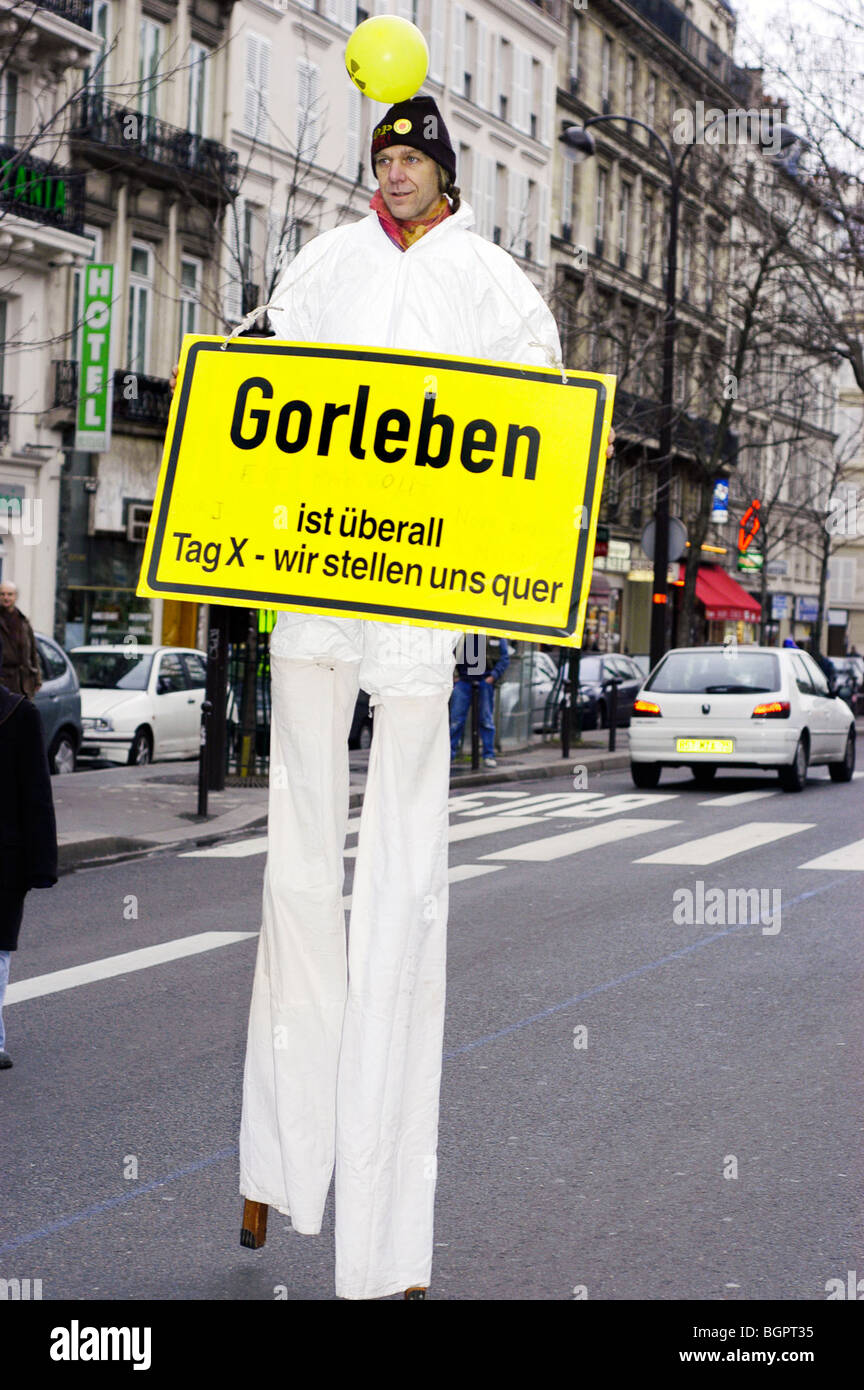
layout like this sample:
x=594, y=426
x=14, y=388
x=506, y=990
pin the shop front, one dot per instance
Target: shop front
x=728, y=612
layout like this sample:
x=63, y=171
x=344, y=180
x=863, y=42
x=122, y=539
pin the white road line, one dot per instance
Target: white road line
x=736, y=798
x=611, y=805
x=458, y=874
x=535, y=804
x=575, y=841
x=467, y=830
x=124, y=964
x=711, y=848
x=849, y=857
x=234, y=849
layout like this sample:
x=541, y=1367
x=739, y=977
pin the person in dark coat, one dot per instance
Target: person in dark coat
x=28, y=831
x=20, y=671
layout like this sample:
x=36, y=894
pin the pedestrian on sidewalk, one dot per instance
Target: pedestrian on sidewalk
x=20, y=672
x=28, y=833
x=485, y=676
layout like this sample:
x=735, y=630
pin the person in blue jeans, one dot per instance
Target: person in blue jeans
x=476, y=668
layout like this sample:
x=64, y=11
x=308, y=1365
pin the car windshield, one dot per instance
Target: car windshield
x=112, y=670
x=590, y=670
x=728, y=672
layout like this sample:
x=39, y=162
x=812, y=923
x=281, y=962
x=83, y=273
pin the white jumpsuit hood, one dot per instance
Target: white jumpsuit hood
x=343, y=1059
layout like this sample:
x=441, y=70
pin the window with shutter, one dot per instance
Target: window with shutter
x=256, y=89
x=308, y=85
x=567, y=201
x=522, y=89
x=547, y=110
x=541, y=250
x=481, y=89
x=235, y=257
x=437, y=13
x=457, y=49
x=353, y=166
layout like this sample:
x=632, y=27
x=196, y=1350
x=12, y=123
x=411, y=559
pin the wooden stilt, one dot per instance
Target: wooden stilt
x=416, y=1291
x=254, y=1232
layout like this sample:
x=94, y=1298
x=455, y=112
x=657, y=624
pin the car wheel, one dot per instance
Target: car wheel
x=365, y=739
x=703, y=774
x=61, y=754
x=141, y=752
x=842, y=772
x=794, y=777
x=645, y=775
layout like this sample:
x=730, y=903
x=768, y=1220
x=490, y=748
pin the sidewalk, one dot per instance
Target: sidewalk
x=129, y=810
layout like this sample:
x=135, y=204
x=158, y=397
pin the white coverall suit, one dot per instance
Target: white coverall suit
x=343, y=1058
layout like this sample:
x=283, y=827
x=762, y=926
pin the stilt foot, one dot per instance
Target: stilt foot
x=254, y=1232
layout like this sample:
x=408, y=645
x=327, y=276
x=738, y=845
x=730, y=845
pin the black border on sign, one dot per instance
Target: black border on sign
x=262, y=599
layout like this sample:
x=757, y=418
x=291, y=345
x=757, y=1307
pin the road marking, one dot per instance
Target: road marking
x=575, y=841
x=711, y=848
x=125, y=964
x=736, y=798
x=534, y=805
x=848, y=857
x=234, y=849
x=613, y=805
x=467, y=830
x=458, y=874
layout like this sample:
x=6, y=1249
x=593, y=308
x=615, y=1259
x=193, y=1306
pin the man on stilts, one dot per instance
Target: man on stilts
x=343, y=1062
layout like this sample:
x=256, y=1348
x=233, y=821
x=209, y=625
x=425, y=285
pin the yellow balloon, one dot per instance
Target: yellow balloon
x=387, y=58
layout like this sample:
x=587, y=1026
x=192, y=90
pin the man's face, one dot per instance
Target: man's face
x=8, y=594
x=408, y=181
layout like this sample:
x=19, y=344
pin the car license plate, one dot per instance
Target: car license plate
x=704, y=745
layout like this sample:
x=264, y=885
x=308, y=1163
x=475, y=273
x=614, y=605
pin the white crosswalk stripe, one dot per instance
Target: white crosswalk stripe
x=232, y=849
x=468, y=830
x=847, y=857
x=709, y=849
x=575, y=841
x=125, y=964
x=736, y=798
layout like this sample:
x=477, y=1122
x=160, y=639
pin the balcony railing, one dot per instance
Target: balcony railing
x=5, y=409
x=140, y=136
x=78, y=11
x=40, y=191
x=668, y=18
x=149, y=405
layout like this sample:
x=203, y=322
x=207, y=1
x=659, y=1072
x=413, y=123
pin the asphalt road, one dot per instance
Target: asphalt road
x=634, y=1105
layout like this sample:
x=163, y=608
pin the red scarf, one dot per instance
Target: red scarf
x=404, y=233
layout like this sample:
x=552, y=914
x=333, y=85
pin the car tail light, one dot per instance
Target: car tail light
x=773, y=709
x=646, y=709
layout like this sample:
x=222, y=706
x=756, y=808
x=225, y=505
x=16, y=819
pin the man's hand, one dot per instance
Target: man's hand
x=490, y=680
x=172, y=380
x=610, y=447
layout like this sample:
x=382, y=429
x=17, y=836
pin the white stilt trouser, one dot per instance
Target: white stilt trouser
x=343, y=1059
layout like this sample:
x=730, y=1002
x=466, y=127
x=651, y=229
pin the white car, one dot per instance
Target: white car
x=140, y=703
x=735, y=706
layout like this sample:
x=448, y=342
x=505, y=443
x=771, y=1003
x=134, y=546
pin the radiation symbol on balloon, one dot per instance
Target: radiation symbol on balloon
x=387, y=58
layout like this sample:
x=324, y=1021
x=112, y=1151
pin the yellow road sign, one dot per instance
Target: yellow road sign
x=369, y=483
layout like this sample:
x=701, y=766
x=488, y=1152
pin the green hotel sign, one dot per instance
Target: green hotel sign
x=93, y=422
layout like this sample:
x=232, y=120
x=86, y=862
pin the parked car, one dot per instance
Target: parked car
x=58, y=701
x=643, y=661
x=761, y=707
x=544, y=672
x=596, y=672
x=849, y=680
x=140, y=703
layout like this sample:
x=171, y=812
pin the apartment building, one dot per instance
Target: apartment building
x=145, y=134
x=44, y=50
x=302, y=129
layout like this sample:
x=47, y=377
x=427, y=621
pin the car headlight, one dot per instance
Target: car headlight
x=101, y=724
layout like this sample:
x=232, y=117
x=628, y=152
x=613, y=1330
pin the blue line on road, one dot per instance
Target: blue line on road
x=457, y=1052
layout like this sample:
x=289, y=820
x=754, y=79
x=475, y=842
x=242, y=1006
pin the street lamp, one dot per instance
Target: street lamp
x=579, y=144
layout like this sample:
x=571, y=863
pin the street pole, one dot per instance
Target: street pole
x=660, y=594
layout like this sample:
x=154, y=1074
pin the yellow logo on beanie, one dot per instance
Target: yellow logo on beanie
x=402, y=126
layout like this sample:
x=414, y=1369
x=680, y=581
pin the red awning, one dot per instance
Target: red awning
x=723, y=597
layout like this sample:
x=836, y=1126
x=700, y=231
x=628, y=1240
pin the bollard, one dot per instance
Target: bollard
x=475, y=726
x=612, y=688
x=565, y=717
x=203, y=778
